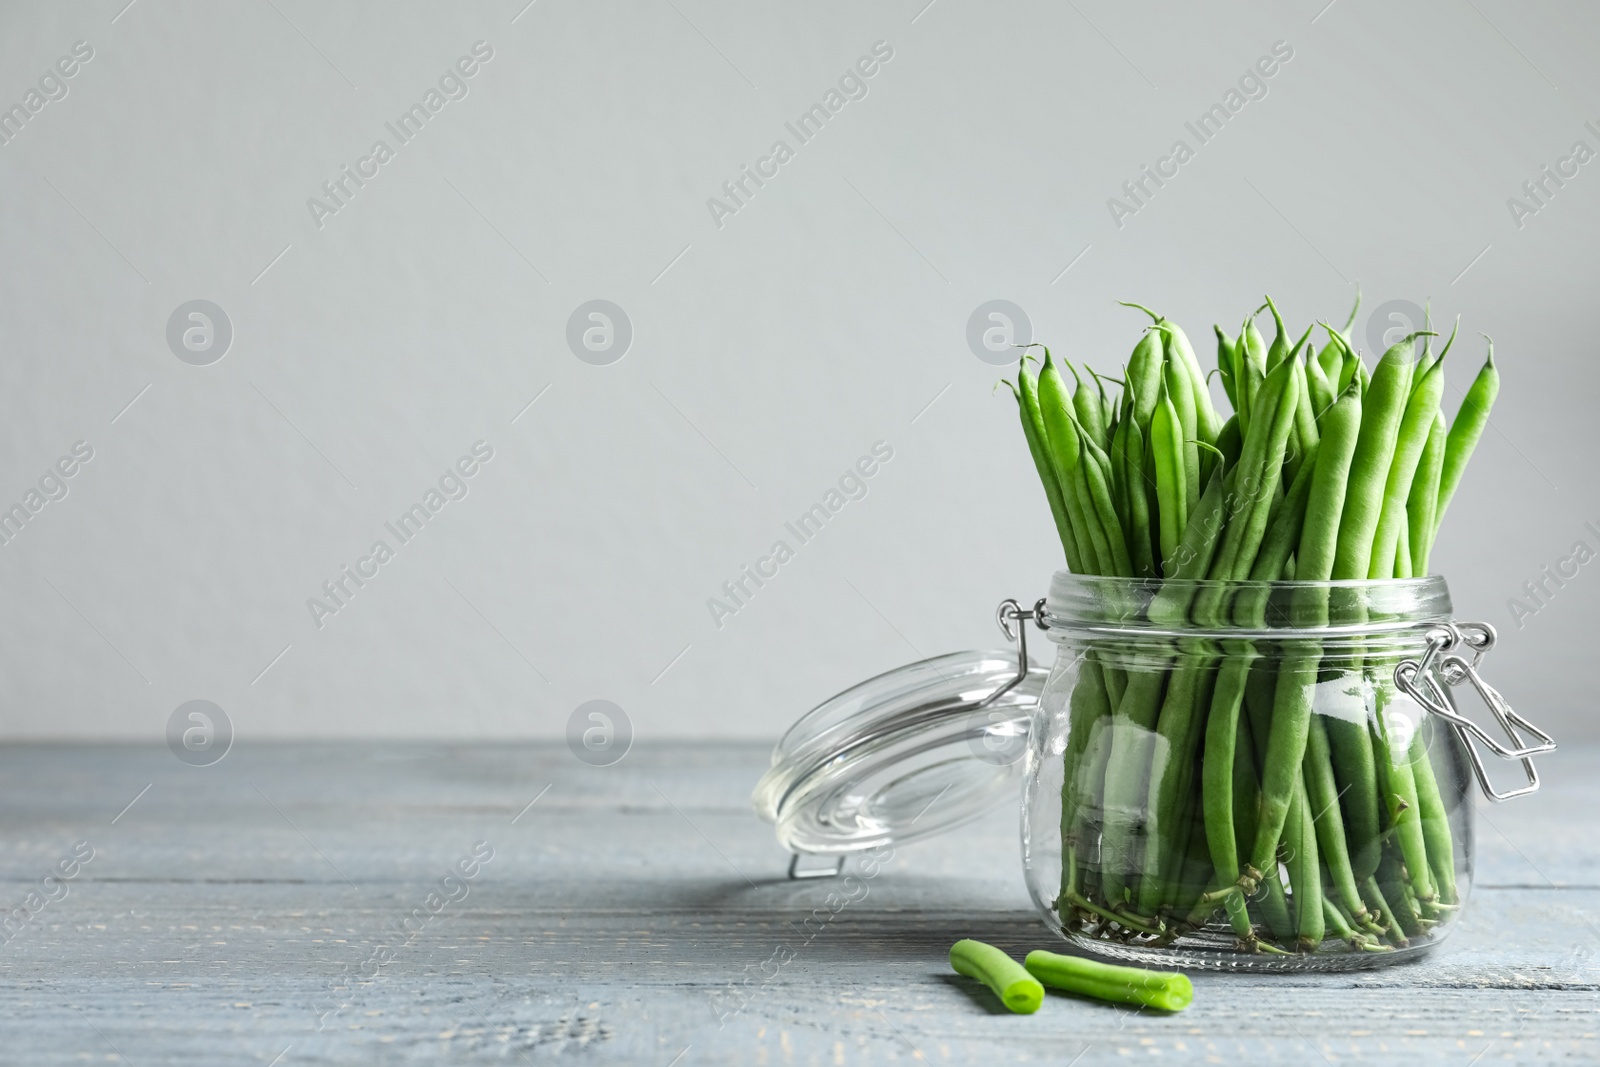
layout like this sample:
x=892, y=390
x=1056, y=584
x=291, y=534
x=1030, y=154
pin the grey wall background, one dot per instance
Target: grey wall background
x=767, y=356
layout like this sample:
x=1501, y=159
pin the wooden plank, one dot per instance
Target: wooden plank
x=634, y=911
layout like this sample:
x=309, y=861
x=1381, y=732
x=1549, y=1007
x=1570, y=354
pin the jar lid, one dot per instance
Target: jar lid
x=913, y=752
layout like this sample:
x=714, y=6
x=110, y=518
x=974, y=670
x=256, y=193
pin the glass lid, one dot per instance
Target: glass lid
x=915, y=751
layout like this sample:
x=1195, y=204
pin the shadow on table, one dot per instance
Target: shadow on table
x=902, y=917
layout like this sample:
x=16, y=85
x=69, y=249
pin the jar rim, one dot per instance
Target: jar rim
x=1088, y=605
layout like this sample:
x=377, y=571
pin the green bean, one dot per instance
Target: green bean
x=1435, y=822
x=1336, y=358
x=1286, y=745
x=1411, y=438
x=1282, y=536
x=1379, y=905
x=1331, y=358
x=1183, y=403
x=1402, y=900
x=1278, y=351
x=1220, y=771
x=1139, y=535
x=1382, y=409
x=1089, y=709
x=1143, y=375
x=1445, y=351
x=1435, y=819
x=1227, y=362
x=1465, y=431
x=1403, y=806
x=1126, y=779
x=1094, y=532
x=1178, y=349
x=1097, y=466
x=1256, y=479
x=1246, y=781
x=1321, y=389
x=1118, y=454
x=1196, y=875
x=1306, y=433
x=1017, y=989
x=1337, y=922
x=1033, y=430
x=1324, y=794
x=1192, y=558
x=1353, y=370
x=1091, y=416
x=1258, y=690
x=1305, y=872
x=1108, y=410
x=1177, y=734
x=1315, y=554
x=1258, y=701
x=1166, y=435
x=1229, y=443
x=1402, y=554
x=1061, y=435
x=1207, y=421
x=1274, y=907
x=1350, y=751
x=1423, y=501
x=1089, y=766
x=1165, y=991
x=1408, y=440
x=1253, y=364
x=1345, y=928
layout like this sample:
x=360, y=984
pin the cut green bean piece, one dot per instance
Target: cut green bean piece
x=1017, y=989
x=1163, y=990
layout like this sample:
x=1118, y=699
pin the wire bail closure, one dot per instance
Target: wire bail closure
x=1007, y=613
x=1419, y=679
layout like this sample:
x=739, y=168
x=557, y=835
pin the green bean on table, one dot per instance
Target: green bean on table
x=1103, y=981
x=1017, y=989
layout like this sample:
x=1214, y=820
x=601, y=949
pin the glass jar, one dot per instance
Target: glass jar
x=1235, y=775
x=1245, y=775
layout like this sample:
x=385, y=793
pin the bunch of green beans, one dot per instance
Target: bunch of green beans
x=1199, y=789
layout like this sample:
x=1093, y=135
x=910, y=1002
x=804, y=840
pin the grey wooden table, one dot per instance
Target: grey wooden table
x=276, y=908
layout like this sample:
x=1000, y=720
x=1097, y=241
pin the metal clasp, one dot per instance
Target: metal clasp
x=1007, y=613
x=1419, y=679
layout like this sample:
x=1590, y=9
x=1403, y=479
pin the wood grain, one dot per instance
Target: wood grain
x=626, y=916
